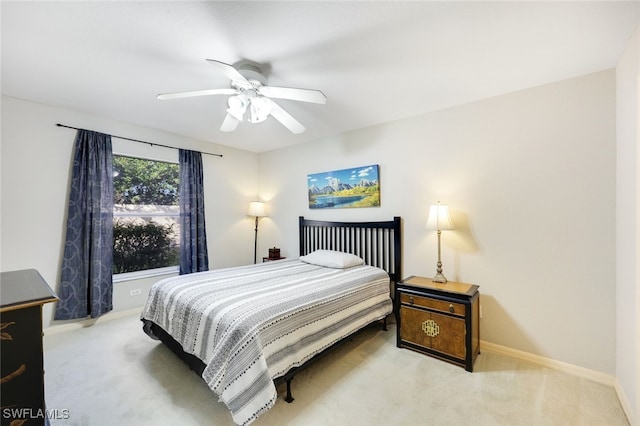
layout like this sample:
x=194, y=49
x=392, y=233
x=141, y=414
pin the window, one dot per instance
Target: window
x=146, y=213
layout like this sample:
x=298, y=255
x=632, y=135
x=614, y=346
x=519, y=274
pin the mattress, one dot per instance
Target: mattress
x=252, y=324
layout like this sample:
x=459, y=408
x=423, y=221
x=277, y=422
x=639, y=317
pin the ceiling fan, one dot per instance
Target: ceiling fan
x=250, y=93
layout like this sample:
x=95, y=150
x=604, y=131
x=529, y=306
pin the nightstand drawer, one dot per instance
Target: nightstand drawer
x=428, y=303
x=434, y=331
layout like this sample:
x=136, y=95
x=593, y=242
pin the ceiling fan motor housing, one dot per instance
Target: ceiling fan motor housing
x=252, y=73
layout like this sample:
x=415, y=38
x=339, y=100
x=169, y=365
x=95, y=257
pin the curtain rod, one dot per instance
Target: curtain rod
x=139, y=141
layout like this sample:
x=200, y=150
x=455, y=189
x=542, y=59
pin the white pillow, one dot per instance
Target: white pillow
x=332, y=259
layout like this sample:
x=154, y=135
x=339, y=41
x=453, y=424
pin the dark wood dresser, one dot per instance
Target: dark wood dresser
x=440, y=320
x=22, y=294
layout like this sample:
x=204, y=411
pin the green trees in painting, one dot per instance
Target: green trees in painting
x=371, y=193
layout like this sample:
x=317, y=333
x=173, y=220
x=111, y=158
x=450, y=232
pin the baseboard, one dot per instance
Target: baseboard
x=565, y=367
x=624, y=401
x=77, y=325
x=585, y=373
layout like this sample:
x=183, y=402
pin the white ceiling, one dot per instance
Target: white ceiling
x=375, y=61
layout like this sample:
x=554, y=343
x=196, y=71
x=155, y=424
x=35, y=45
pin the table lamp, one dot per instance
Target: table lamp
x=439, y=220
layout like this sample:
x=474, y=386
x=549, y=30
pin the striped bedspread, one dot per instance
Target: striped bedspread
x=254, y=323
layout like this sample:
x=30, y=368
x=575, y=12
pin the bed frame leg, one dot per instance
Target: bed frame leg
x=289, y=398
x=384, y=324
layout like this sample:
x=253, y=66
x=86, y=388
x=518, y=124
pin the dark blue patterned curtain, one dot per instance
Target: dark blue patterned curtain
x=86, y=286
x=193, y=241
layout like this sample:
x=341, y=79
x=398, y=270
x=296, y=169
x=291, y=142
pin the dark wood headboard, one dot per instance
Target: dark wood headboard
x=378, y=243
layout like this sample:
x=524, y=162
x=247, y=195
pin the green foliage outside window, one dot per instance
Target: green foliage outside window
x=138, y=181
x=138, y=247
x=143, y=187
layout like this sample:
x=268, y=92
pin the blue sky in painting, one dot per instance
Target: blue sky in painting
x=350, y=176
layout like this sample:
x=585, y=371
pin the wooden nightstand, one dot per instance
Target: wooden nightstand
x=440, y=320
x=271, y=259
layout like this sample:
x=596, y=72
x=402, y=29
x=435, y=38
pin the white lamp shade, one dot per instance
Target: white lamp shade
x=238, y=106
x=257, y=209
x=260, y=109
x=439, y=218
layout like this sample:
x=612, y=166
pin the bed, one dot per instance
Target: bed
x=246, y=329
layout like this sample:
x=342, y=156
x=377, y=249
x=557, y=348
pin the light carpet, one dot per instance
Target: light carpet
x=111, y=373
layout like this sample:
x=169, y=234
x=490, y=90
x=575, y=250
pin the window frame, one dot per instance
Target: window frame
x=147, y=273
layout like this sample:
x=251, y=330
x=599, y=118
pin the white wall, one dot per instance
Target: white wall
x=530, y=180
x=628, y=229
x=36, y=164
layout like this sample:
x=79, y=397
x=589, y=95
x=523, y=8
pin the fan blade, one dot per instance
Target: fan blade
x=304, y=95
x=178, y=95
x=286, y=119
x=231, y=73
x=229, y=124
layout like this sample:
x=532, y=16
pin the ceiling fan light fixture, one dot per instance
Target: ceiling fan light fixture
x=238, y=105
x=260, y=109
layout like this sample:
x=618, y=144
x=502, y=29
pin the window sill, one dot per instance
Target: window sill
x=149, y=273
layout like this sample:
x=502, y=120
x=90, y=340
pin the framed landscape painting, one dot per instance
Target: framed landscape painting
x=347, y=188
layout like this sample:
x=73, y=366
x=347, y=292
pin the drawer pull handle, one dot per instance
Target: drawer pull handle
x=431, y=328
x=411, y=300
x=451, y=309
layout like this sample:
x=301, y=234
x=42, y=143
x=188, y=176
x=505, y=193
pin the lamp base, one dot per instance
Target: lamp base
x=439, y=278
